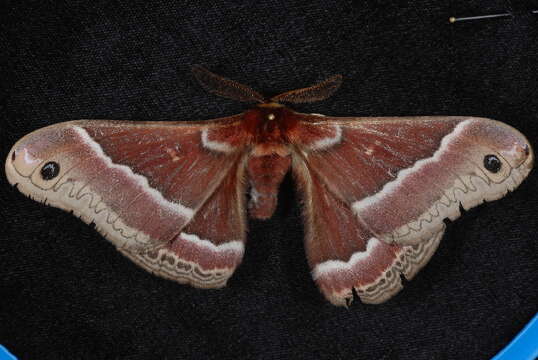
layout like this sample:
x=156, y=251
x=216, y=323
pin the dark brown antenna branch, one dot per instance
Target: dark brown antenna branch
x=227, y=88
x=317, y=92
x=230, y=89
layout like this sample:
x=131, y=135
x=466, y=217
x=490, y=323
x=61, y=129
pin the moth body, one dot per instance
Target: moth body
x=265, y=173
x=269, y=127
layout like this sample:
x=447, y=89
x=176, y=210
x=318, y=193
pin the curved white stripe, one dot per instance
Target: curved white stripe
x=402, y=175
x=215, y=145
x=338, y=265
x=328, y=141
x=139, y=179
x=235, y=246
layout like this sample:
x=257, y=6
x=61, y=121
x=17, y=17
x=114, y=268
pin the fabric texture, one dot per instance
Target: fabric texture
x=68, y=294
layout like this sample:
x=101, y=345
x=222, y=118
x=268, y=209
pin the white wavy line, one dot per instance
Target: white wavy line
x=139, y=179
x=337, y=265
x=392, y=186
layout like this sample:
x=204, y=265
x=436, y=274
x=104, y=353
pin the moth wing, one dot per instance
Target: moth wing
x=147, y=186
x=376, y=192
x=209, y=248
x=344, y=255
x=403, y=176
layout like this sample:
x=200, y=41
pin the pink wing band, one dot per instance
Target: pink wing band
x=453, y=174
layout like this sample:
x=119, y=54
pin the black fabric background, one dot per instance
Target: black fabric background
x=67, y=293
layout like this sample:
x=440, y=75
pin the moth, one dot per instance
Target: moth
x=173, y=196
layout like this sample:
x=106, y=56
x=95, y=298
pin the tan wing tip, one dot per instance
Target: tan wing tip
x=466, y=195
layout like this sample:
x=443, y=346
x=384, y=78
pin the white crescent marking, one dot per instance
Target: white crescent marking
x=328, y=141
x=215, y=145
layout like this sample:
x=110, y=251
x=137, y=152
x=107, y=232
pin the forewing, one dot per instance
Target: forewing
x=402, y=176
x=141, y=183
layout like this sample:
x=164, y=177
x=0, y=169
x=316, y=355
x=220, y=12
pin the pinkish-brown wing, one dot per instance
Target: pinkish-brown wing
x=403, y=176
x=376, y=191
x=209, y=248
x=344, y=255
x=143, y=184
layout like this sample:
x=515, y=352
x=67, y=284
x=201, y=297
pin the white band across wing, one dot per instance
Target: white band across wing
x=392, y=186
x=234, y=246
x=330, y=266
x=175, y=207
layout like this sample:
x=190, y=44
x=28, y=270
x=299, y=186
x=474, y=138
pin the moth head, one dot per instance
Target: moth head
x=37, y=162
x=502, y=150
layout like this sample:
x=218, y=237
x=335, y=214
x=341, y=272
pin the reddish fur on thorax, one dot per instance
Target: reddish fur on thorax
x=269, y=126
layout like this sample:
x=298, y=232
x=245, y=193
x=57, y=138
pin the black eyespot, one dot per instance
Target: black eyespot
x=50, y=170
x=492, y=163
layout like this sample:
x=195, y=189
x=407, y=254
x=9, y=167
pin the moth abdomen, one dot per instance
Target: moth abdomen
x=265, y=173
